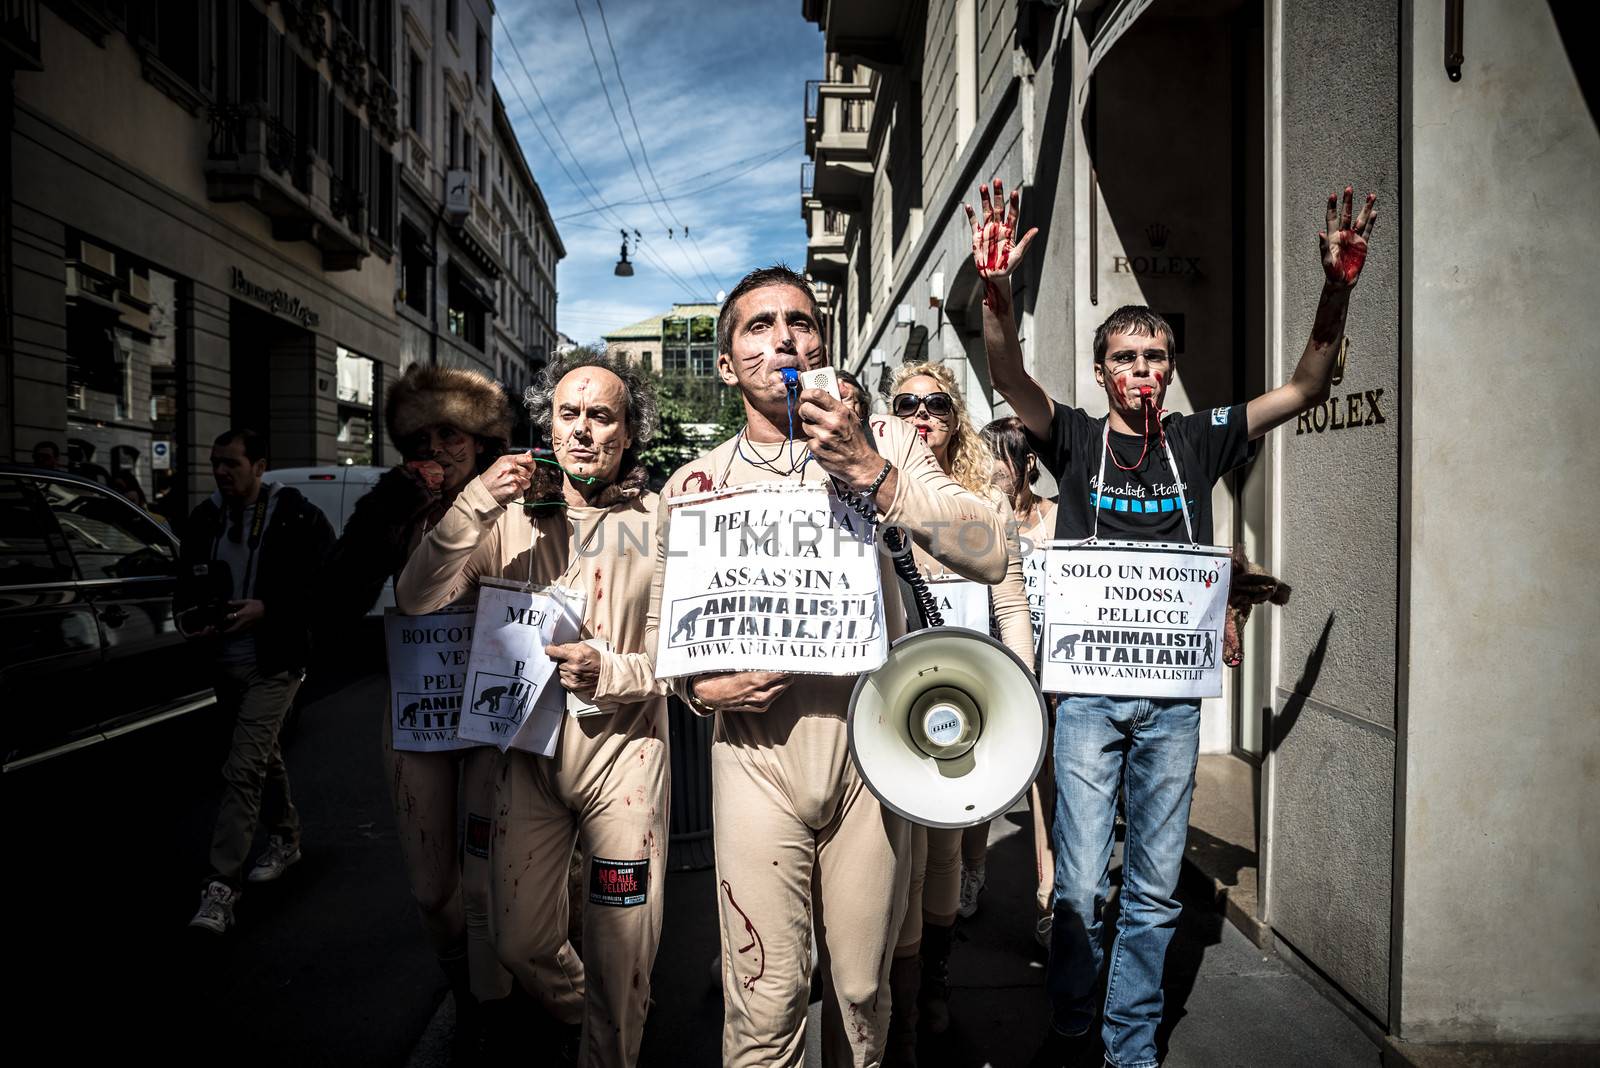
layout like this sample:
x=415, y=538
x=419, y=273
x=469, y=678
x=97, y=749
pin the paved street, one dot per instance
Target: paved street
x=329, y=967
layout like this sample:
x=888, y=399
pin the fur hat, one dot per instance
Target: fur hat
x=466, y=400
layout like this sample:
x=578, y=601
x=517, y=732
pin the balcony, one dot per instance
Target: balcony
x=19, y=35
x=869, y=31
x=837, y=142
x=825, y=255
x=255, y=159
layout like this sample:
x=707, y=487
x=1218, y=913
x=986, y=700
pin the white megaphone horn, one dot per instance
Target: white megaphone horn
x=951, y=730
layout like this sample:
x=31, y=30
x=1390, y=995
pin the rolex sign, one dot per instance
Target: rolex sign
x=458, y=194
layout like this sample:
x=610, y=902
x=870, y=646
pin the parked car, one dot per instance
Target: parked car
x=88, y=646
x=336, y=489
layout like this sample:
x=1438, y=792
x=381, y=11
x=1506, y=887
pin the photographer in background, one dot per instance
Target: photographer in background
x=250, y=555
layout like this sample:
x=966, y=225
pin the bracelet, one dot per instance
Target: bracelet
x=870, y=490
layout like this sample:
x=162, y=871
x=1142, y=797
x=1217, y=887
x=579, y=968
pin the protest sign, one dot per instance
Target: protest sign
x=1135, y=619
x=508, y=673
x=427, y=670
x=961, y=602
x=770, y=577
x=1033, y=567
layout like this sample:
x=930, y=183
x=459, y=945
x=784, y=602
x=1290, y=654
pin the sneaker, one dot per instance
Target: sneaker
x=216, y=907
x=275, y=861
x=972, y=880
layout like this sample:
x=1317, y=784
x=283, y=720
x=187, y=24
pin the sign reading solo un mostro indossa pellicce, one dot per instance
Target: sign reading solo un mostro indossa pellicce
x=1134, y=619
x=769, y=577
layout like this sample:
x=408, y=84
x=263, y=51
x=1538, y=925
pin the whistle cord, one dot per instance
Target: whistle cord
x=899, y=554
x=587, y=480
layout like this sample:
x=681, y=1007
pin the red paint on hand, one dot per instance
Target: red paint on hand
x=1352, y=254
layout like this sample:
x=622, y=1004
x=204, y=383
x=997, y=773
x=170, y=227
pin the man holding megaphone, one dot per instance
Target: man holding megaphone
x=801, y=841
x=1155, y=473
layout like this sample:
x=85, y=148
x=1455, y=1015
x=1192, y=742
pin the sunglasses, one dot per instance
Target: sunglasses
x=906, y=404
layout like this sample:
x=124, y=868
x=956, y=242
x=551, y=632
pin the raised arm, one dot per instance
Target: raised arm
x=1344, y=251
x=997, y=256
x=453, y=554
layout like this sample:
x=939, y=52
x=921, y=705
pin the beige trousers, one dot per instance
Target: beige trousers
x=800, y=842
x=606, y=788
x=446, y=853
x=935, y=885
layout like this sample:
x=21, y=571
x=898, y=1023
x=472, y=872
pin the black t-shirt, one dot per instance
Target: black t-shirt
x=1141, y=505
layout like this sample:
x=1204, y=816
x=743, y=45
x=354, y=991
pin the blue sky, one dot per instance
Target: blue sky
x=717, y=89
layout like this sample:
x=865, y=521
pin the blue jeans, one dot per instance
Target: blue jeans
x=1148, y=747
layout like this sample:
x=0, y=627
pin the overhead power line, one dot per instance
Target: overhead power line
x=617, y=121
x=600, y=209
x=734, y=175
x=643, y=151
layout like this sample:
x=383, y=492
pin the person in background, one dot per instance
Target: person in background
x=449, y=424
x=853, y=394
x=927, y=398
x=1016, y=470
x=126, y=484
x=47, y=454
x=250, y=557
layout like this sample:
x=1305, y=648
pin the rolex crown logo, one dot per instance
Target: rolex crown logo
x=1157, y=235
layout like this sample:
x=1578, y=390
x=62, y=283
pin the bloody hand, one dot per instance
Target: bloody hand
x=1344, y=246
x=994, y=251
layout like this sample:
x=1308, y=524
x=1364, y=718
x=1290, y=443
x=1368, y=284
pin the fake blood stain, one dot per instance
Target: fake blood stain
x=755, y=943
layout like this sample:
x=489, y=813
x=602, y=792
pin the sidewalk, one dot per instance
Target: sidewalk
x=1228, y=1004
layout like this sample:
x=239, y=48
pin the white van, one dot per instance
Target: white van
x=336, y=489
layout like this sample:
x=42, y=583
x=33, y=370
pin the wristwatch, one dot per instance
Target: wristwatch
x=697, y=706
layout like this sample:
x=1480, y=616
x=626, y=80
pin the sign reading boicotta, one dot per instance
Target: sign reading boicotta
x=1134, y=619
x=770, y=577
x=276, y=300
x=427, y=669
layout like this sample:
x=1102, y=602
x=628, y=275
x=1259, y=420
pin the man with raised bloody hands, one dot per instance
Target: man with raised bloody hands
x=1137, y=474
x=799, y=837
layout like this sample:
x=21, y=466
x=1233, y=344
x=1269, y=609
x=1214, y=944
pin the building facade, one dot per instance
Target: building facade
x=1410, y=778
x=202, y=234
x=681, y=342
x=478, y=249
x=525, y=322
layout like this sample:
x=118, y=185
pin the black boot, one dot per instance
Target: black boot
x=467, y=1044
x=935, y=997
x=905, y=982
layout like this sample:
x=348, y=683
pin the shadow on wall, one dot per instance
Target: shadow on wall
x=1577, y=35
x=1284, y=721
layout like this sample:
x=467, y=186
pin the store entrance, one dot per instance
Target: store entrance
x=1175, y=129
x=273, y=367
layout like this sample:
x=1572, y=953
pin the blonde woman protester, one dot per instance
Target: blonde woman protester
x=1016, y=469
x=449, y=425
x=927, y=398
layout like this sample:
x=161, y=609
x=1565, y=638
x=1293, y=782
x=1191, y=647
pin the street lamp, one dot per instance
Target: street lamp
x=624, y=269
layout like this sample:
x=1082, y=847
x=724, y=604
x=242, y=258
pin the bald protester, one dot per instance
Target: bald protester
x=802, y=844
x=582, y=522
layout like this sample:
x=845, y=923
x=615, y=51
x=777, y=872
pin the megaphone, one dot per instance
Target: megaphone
x=951, y=730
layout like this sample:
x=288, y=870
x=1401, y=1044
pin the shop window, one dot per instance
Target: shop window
x=357, y=381
x=122, y=380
